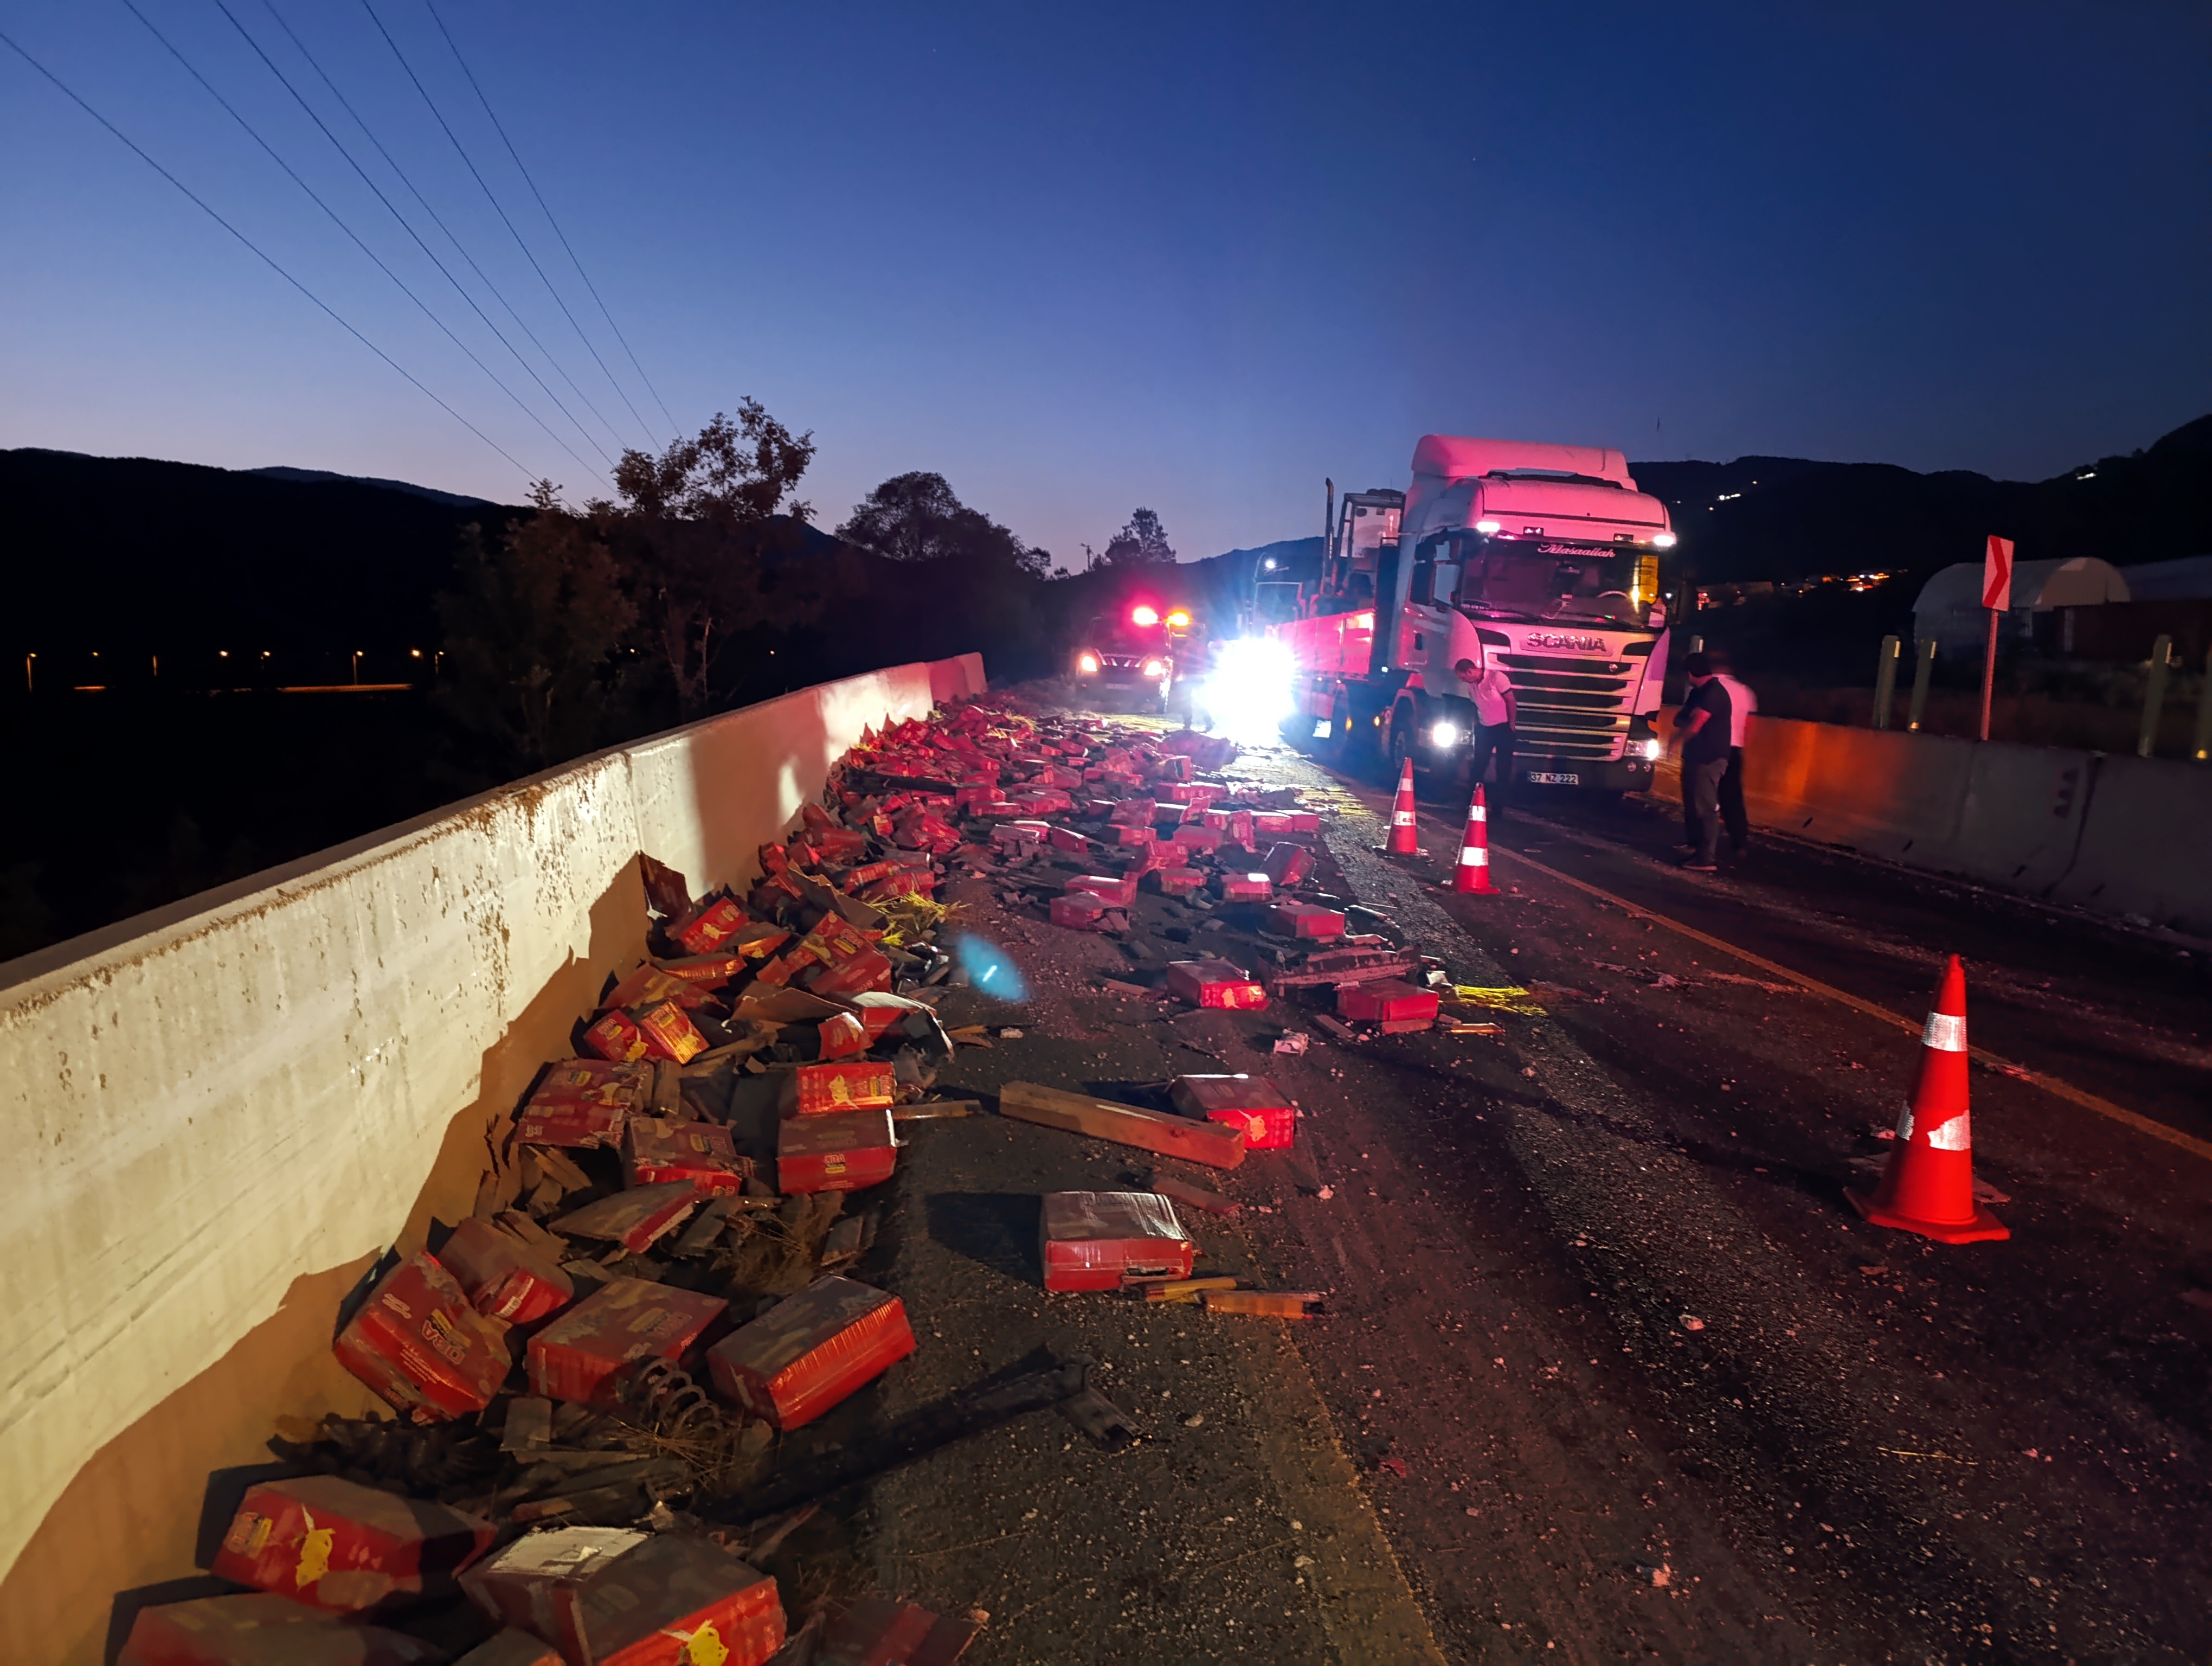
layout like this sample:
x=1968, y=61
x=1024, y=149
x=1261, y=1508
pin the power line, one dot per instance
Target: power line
x=501, y=212
x=341, y=224
x=549, y=220
x=67, y=92
x=459, y=248
x=530, y=369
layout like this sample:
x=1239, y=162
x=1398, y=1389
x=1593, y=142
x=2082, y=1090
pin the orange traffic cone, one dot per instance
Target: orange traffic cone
x=1472, y=877
x=1404, y=838
x=1928, y=1186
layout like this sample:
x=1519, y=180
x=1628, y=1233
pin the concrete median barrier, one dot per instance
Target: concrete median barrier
x=220, y=1114
x=2116, y=835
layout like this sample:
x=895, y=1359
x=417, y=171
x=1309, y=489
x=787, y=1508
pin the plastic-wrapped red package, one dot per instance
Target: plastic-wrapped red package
x=1305, y=919
x=1215, y=983
x=419, y=1343
x=1091, y=1240
x=1386, y=1000
x=1117, y=889
x=1247, y=888
x=656, y=1150
x=812, y=1350
x=503, y=1278
x=346, y=1548
x=1253, y=1103
x=835, y=1151
x=712, y=924
x=616, y=1598
x=813, y=1089
x=577, y=1357
x=257, y=1629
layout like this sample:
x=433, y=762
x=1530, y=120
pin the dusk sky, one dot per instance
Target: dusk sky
x=1079, y=259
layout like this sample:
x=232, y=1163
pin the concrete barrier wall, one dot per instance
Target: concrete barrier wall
x=218, y=1115
x=2121, y=835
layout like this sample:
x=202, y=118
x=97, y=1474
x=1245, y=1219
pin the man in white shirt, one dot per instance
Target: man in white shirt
x=1495, y=710
x=1742, y=704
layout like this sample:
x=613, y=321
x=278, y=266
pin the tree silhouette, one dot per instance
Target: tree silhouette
x=1142, y=543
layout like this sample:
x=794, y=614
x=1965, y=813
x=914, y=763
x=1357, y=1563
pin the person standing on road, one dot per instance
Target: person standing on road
x=1701, y=728
x=1496, y=711
x=1743, y=705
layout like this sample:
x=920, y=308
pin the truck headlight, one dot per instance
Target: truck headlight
x=1087, y=664
x=1444, y=734
x=1155, y=668
x=1652, y=749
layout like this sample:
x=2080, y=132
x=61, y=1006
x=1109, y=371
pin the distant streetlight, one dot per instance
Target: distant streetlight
x=356, y=665
x=1271, y=563
x=28, y=686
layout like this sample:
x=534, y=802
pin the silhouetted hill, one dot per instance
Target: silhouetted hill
x=453, y=500
x=1786, y=518
x=139, y=555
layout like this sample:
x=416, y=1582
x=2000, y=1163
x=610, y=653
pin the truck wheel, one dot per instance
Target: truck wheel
x=1397, y=755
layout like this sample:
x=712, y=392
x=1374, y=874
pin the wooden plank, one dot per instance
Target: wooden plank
x=1210, y=1143
x=1182, y=1191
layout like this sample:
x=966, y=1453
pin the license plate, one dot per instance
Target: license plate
x=1543, y=779
x=1322, y=729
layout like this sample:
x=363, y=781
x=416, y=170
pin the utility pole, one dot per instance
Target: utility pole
x=1996, y=597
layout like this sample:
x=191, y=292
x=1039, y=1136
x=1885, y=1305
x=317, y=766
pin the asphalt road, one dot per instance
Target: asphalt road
x=1609, y=1371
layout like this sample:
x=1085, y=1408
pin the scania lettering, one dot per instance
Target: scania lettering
x=1542, y=560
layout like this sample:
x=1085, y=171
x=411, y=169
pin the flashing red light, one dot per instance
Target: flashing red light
x=1144, y=615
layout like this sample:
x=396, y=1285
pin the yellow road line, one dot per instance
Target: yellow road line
x=2065, y=1090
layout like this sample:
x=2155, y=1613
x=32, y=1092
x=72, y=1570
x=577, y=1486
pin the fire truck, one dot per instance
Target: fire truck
x=1541, y=559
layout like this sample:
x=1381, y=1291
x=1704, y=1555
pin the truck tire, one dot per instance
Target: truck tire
x=1397, y=755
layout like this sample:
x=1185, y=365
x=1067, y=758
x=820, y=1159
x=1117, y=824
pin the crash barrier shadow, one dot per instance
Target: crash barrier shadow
x=221, y=1113
x=2121, y=835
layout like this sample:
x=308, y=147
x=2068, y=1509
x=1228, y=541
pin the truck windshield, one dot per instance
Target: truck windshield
x=1552, y=581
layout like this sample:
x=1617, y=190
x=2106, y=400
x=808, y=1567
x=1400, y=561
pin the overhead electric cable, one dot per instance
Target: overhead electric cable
x=490, y=197
x=393, y=208
x=436, y=219
x=199, y=202
x=339, y=222
x=549, y=220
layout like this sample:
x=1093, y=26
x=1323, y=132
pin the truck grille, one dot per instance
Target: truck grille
x=1570, y=706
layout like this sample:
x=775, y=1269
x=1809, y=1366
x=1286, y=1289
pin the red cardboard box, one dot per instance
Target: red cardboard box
x=1191, y=836
x=1132, y=812
x=1020, y=832
x=1215, y=983
x=712, y=971
x=1091, y=1239
x=345, y=1548
x=1178, y=881
x=1273, y=824
x=593, y=1081
x=1116, y=889
x=840, y=1037
x=1125, y=836
x=419, y=1344
x=503, y=1278
x=577, y=1357
x=809, y=1352
x=870, y=969
x=635, y=1217
x=259, y=1630
x=617, y=1036
x=1289, y=864
x=1199, y=793
x=1066, y=838
x=1385, y=1000
x=1305, y=919
x=1082, y=912
x=815, y=1090
x=656, y=1150
x=835, y=1151
x=711, y=925
x=668, y=1599
x=647, y=984
x=1246, y=888
x=571, y=1125
x=1253, y=1103
x=669, y=1034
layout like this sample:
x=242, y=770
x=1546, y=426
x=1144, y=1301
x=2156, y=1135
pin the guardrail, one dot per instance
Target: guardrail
x=218, y=1115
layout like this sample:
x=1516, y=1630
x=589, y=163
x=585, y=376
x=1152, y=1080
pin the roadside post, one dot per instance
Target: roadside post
x=2201, y=752
x=1923, y=661
x=1996, y=597
x=2161, y=650
x=1885, y=682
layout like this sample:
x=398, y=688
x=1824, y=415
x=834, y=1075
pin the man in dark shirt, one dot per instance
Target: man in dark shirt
x=1701, y=728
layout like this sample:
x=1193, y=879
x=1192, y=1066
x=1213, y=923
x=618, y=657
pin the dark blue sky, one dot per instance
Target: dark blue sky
x=1077, y=260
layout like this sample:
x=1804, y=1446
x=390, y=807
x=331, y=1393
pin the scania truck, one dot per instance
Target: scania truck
x=1541, y=559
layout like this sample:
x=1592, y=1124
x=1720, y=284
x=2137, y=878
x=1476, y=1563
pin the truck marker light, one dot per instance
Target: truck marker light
x=1155, y=668
x=1485, y=527
x=1444, y=734
x=1179, y=620
x=1086, y=663
x=1662, y=540
x=1144, y=615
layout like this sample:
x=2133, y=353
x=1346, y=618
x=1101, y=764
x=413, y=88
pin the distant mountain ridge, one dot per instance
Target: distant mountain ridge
x=454, y=500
